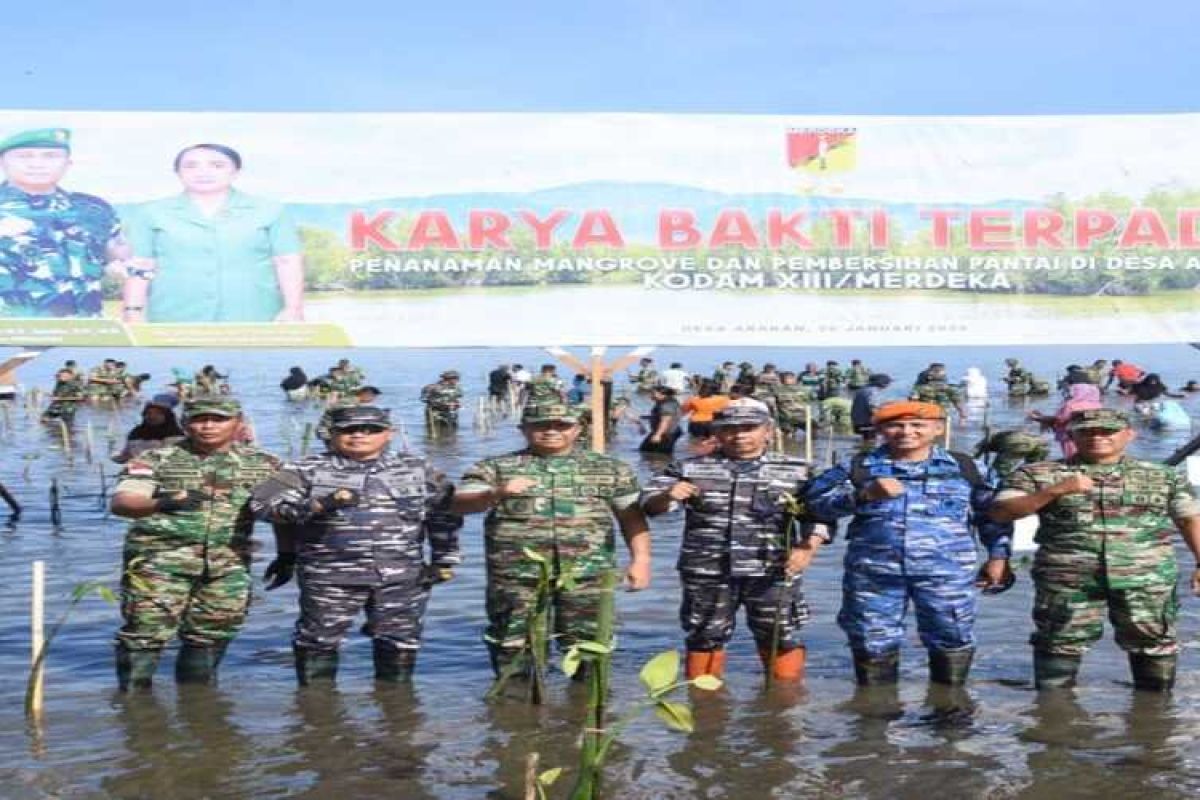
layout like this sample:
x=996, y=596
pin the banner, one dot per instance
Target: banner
x=463, y=229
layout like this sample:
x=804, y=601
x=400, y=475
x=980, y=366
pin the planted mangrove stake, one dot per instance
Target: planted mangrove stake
x=87, y=441
x=808, y=428
x=531, y=777
x=103, y=487
x=11, y=501
x=65, y=432
x=305, y=438
x=37, y=641
x=949, y=425
x=55, y=510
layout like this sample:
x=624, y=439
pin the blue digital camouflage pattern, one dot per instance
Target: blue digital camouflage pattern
x=53, y=249
x=918, y=545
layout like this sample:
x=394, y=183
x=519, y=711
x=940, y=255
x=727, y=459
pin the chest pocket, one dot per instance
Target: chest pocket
x=1073, y=509
x=946, y=499
x=407, y=490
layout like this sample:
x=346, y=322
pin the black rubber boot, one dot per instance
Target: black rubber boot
x=135, y=668
x=877, y=670
x=1152, y=673
x=393, y=665
x=950, y=667
x=1055, y=671
x=315, y=666
x=509, y=660
x=197, y=664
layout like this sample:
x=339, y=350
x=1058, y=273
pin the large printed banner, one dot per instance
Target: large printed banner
x=222, y=229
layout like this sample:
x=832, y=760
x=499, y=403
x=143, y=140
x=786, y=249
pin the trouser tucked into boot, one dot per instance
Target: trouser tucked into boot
x=315, y=665
x=1153, y=673
x=393, y=664
x=1052, y=671
x=198, y=664
x=950, y=667
x=788, y=666
x=876, y=670
x=705, y=662
x=135, y=668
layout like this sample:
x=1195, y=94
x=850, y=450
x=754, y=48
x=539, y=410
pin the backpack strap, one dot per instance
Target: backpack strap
x=860, y=476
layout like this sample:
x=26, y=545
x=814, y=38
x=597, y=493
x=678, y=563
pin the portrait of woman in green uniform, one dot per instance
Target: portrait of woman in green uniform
x=212, y=253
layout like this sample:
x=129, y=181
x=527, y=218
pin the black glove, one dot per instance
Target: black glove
x=280, y=571
x=175, y=501
x=338, y=498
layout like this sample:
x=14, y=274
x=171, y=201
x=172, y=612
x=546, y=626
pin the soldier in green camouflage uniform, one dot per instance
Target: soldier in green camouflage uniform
x=104, y=381
x=187, y=553
x=547, y=387
x=559, y=502
x=65, y=398
x=831, y=379
x=1018, y=379
x=1104, y=545
x=646, y=378
x=791, y=403
x=857, y=375
x=54, y=244
x=1097, y=371
x=934, y=388
x=1012, y=449
x=442, y=401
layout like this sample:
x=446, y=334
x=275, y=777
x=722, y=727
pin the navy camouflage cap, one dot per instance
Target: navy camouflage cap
x=38, y=137
x=211, y=406
x=354, y=416
x=1109, y=419
x=740, y=415
x=450, y=373
x=548, y=412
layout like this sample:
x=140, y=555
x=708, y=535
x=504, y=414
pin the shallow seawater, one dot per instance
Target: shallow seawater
x=257, y=735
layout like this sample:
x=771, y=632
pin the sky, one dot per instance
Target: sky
x=706, y=56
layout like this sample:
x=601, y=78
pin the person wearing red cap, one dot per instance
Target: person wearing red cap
x=914, y=507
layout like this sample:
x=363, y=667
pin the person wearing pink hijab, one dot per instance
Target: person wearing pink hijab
x=1080, y=396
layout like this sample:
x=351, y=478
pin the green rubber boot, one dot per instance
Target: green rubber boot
x=315, y=666
x=196, y=664
x=1055, y=671
x=393, y=665
x=1152, y=673
x=879, y=670
x=950, y=667
x=135, y=668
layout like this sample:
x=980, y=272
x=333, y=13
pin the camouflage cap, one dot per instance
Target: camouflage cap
x=39, y=137
x=1109, y=419
x=356, y=415
x=212, y=407
x=450, y=373
x=548, y=412
x=741, y=415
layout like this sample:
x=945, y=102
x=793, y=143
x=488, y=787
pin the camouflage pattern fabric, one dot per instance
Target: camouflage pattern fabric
x=443, y=400
x=831, y=380
x=646, y=379
x=812, y=380
x=544, y=389
x=791, y=402
x=369, y=555
x=940, y=392
x=1012, y=449
x=918, y=545
x=53, y=249
x=203, y=554
x=1109, y=549
x=1019, y=380
x=106, y=382
x=567, y=518
x=835, y=414
x=735, y=544
x=64, y=400
x=708, y=613
x=856, y=376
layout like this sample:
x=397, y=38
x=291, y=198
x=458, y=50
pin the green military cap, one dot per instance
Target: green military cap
x=548, y=412
x=39, y=137
x=1109, y=419
x=211, y=406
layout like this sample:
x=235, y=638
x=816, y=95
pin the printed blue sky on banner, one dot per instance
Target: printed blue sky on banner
x=783, y=56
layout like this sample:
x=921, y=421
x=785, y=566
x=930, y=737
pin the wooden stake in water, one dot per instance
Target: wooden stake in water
x=10, y=501
x=808, y=429
x=37, y=638
x=55, y=511
x=531, y=776
x=305, y=438
x=949, y=425
x=87, y=441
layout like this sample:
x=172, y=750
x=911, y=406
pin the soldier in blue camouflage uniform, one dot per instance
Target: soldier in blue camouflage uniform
x=187, y=553
x=355, y=522
x=745, y=543
x=914, y=506
x=442, y=401
x=559, y=502
x=1104, y=546
x=54, y=244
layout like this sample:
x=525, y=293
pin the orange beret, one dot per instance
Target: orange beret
x=907, y=409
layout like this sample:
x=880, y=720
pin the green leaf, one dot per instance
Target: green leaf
x=594, y=647
x=709, y=683
x=549, y=776
x=566, y=582
x=660, y=671
x=571, y=661
x=676, y=715
x=534, y=555
x=106, y=594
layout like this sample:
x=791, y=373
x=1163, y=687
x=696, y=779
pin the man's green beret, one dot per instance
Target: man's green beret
x=39, y=137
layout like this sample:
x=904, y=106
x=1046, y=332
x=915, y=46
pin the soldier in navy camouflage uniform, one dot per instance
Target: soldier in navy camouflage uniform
x=745, y=543
x=54, y=244
x=558, y=502
x=187, y=553
x=914, y=506
x=356, y=519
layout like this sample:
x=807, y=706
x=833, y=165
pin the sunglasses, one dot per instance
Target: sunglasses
x=369, y=430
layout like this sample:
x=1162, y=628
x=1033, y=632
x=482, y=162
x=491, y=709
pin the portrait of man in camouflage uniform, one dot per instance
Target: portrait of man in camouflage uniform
x=560, y=503
x=187, y=553
x=1104, y=547
x=353, y=524
x=745, y=543
x=54, y=244
x=914, y=507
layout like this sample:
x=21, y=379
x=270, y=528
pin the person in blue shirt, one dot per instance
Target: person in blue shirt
x=914, y=507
